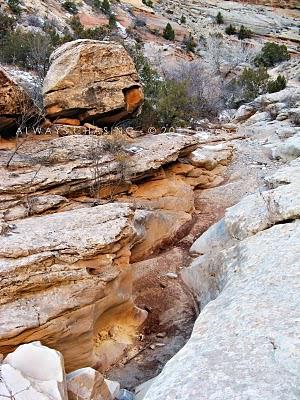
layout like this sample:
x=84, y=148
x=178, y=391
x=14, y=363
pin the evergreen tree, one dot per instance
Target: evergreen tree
x=244, y=33
x=190, y=43
x=14, y=5
x=219, y=18
x=97, y=3
x=70, y=6
x=271, y=54
x=169, y=32
x=112, y=22
x=278, y=84
x=105, y=6
x=148, y=3
x=230, y=30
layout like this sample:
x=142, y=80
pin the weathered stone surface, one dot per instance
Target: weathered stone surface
x=255, y=213
x=75, y=165
x=243, y=113
x=92, y=81
x=159, y=228
x=13, y=101
x=210, y=156
x=289, y=150
x=285, y=175
x=33, y=371
x=260, y=19
x=245, y=342
x=35, y=205
x=60, y=273
x=79, y=255
x=87, y=384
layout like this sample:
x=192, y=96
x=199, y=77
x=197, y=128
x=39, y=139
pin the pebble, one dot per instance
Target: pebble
x=172, y=275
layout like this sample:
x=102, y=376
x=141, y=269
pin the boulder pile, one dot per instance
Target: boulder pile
x=37, y=372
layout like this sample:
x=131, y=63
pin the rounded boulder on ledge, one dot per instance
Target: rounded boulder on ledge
x=92, y=81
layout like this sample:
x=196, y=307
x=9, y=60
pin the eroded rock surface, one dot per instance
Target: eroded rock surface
x=245, y=342
x=87, y=384
x=14, y=102
x=70, y=166
x=60, y=273
x=58, y=243
x=92, y=81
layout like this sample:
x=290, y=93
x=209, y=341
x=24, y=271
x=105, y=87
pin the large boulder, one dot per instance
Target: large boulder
x=14, y=102
x=87, y=384
x=92, y=81
x=33, y=371
x=210, y=156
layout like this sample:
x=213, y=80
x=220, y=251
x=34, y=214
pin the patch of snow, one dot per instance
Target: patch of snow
x=122, y=30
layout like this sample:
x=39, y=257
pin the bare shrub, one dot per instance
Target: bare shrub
x=34, y=20
x=219, y=52
x=115, y=143
x=27, y=50
x=295, y=117
x=30, y=115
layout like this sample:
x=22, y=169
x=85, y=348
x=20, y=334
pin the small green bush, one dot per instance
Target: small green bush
x=244, y=33
x=271, y=54
x=183, y=19
x=70, y=6
x=105, y=7
x=6, y=24
x=277, y=84
x=112, y=22
x=97, y=3
x=230, y=30
x=219, y=18
x=169, y=32
x=190, y=43
x=148, y=3
x=97, y=33
x=253, y=82
x=15, y=48
x=174, y=105
x=14, y=5
x=29, y=50
x=56, y=39
x=76, y=26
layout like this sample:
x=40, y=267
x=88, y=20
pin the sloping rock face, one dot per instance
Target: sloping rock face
x=278, y=24
x=13, y=102
x=60, y=273
x=275, y=3
x=66, y=255
x=65, y=258
x=34, y=372
x=245, y=343
x=92, y=81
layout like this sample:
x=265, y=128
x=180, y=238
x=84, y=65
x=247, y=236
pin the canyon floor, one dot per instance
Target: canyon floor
x=244, y=176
